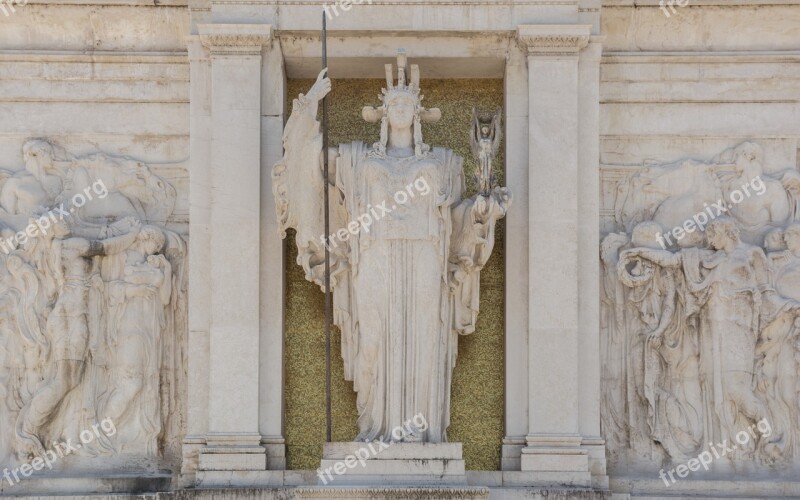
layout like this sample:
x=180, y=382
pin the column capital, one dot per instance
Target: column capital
x=235, y=39
x=554, y=39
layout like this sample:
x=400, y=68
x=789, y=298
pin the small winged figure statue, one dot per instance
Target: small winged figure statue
x=487, y=132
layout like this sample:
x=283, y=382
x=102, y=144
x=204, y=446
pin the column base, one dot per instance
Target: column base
x=192, y=447
x=276, y=452
x=556, y=461
x=596, y=447
x=511, y=453
x=232, y=452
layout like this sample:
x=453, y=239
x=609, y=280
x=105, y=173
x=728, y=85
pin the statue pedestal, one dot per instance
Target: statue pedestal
x=377, y=463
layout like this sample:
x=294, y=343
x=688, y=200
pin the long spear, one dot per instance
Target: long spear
x=327, y=251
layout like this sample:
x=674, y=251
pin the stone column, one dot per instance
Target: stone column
x=233, y=437
x=516, y=246
x=273, y=104
x=199, y=253
x=589, y=259
x=553, y=451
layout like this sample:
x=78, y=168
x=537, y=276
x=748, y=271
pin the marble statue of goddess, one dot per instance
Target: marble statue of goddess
x=406, y=252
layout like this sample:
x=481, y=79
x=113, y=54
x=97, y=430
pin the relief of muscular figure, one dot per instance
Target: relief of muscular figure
x=67, y=327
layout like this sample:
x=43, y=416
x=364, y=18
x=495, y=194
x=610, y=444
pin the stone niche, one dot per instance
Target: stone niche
x=478, y=379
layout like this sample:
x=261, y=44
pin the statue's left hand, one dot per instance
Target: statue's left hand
x=654, y=340
x=494, y=206
x=503, y=197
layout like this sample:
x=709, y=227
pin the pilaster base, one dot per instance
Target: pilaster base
x=276, y=452
x=556, y=461
x=233, y=452
x=511, y=453
x=597, y=461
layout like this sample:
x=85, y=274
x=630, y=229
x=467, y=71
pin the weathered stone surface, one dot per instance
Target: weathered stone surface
x=94, y=289
x=622, y=120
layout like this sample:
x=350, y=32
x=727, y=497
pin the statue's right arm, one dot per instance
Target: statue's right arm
x=663, y=258
x=302, y=137
x=668, y=311
x=116, y=244
x=305, y=107
x=8, y=196
x=298, y=183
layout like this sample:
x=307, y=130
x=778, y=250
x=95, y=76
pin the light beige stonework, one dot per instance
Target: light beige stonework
x=158, y=304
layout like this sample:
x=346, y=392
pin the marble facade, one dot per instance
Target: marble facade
x=153, y=310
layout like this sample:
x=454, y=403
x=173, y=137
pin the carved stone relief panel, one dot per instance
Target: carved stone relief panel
x=93, y=317
x=700, y=294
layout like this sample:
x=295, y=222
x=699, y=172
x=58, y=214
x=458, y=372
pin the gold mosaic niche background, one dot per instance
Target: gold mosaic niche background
x=477, y=408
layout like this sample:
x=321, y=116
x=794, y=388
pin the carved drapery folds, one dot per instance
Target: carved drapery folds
x=700, y=302
x=92, y=311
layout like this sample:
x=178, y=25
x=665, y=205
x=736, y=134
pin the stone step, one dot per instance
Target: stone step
x=401, y=466
x=435, y=451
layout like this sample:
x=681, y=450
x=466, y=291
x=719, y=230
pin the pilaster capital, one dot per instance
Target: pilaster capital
x=554, y=39
x=235, y=39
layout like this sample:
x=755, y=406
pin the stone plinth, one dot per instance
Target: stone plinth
x=377, y=463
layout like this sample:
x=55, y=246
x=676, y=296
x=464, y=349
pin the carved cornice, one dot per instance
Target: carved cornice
x=235, y=39
x=550, y=39
x=556, y=43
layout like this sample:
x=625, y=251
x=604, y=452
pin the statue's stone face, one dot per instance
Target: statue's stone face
x=151, y=239
x=400, y=111
x=60, y=229
x=792, y=238
x=714, y=239
x=37, y=160
x=774, y=241
x=747, y=159
x=748, y=152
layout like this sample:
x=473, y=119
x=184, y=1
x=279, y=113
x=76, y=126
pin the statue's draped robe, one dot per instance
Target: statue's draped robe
x=138, y=316
x=777, y=377
x=405, y=286
x=734, y=297
x=663, y=395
